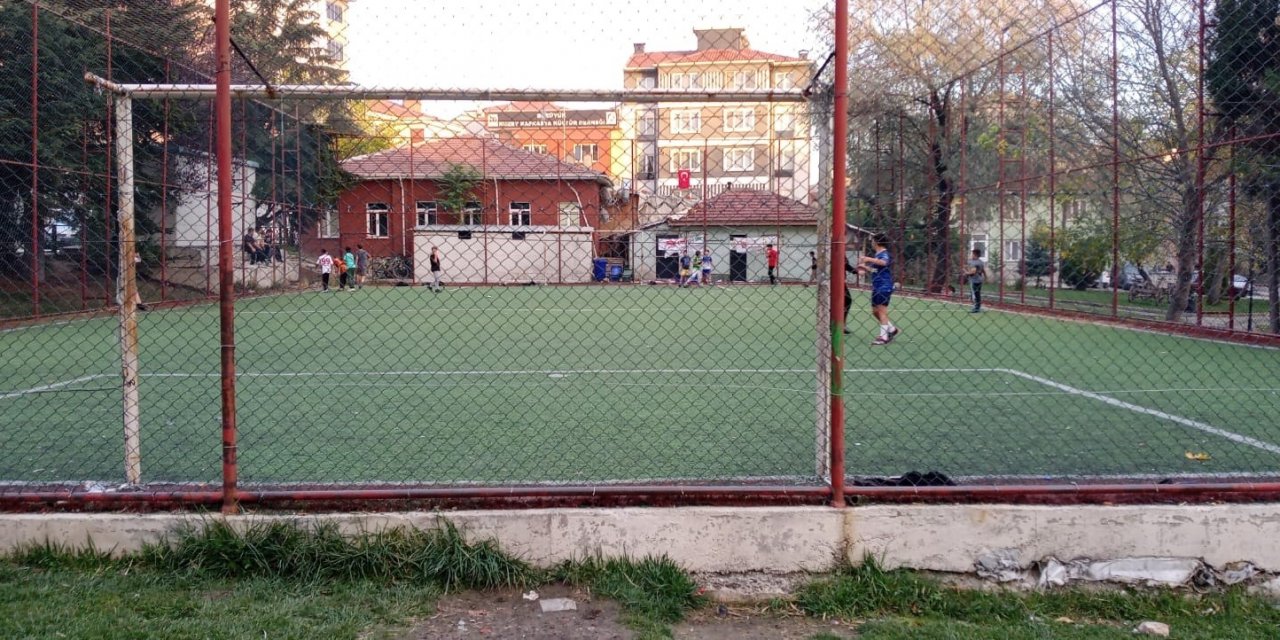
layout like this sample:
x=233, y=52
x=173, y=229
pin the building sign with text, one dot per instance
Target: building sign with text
x=568, y=118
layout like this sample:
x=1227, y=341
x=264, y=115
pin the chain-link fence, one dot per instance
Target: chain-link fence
x=493, y=249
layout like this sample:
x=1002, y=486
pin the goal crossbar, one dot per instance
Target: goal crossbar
x=321, y=92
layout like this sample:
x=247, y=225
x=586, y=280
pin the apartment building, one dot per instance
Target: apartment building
x=756, y=145
x=578, y=136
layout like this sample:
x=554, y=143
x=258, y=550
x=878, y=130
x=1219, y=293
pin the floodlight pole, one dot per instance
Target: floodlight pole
x=226, y=275
x=127, y=291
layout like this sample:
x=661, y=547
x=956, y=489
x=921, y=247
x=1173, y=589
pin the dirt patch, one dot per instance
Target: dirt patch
x=506, y=614
x=728, y=623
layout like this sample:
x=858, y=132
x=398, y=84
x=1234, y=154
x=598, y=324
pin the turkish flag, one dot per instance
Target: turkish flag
x=683, y=176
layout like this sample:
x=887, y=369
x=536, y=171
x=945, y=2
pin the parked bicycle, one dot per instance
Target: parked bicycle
x=391, y=268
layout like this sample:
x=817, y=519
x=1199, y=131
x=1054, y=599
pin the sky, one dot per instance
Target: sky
x=552, y=44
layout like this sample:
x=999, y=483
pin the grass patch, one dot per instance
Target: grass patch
x=907, y=605
x=654, y=591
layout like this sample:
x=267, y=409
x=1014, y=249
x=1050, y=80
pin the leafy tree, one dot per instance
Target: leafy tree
x=1036, y=257
x=74, y=142
x=1084, y=252
x=457, y=187
x=1243, y=77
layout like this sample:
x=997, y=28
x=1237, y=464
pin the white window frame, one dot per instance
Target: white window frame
x=979, y=241
x=570, y=214
x=535, y=148
x=686, y=121
x=472, y=213
x=521, y=213
x=788, y=161
x=783, y=80
x=333, y=11
x=744, y=80
x=428, y=213
x=329, y=226
x=1012, y=251
x=740, y=159
x=336, y=50
x=579, y=155
x=739, y=119
x=693, y=158
x=648, y=166
x=784, y=121
x=377, y=217
x=648, y=124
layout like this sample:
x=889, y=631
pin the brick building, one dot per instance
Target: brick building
x=578, y=136
x=519, y=196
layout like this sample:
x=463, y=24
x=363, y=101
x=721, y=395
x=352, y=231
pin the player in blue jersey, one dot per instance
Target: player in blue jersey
x=880, y=267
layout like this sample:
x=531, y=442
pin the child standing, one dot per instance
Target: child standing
x=325, y=264
x=881, y=269
x=341, y=266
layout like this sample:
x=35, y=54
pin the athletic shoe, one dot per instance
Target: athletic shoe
x=847, y=332
x=975, y=311
x=881, y=340
x=893, y=334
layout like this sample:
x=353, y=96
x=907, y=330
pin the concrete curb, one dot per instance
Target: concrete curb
x=776, y=540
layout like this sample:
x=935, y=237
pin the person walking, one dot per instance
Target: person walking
x=340, y=266
x=771, y=260
x=325, y=264
x=362, y=265
x=813, y=267
x=434, y=259
x=977, y=273
x=350, y=259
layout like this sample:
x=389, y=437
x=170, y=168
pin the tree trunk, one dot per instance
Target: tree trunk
x=1186, y=259
x=1273, y=258
x=1218, y=281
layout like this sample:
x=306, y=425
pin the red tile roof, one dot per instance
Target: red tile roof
x=743, y=207
x=394, y=109
x=655, y=58
x=524, y=105
x=432, y=158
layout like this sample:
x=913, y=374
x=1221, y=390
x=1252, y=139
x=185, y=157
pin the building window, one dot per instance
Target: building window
x=521, y=214
x=688, y=80
x=328, y=226
x=979, y=241
x=648, y=124
x=785, y=122
x=783, y=81
x=739, y=120
x=335, y=51
x=570, y=214
x=686, y=121
x=536, y=148
x=376, y=219
x=743, y=159
x=585, y=153
x=690, y=159
x=334, y=11
x=744, y=79
x=648, y=167
x=787, y=163
x=471, y=213
x=427, y=214
x=1012, y=250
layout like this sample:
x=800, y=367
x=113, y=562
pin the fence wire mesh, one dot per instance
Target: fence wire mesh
x=482, y=244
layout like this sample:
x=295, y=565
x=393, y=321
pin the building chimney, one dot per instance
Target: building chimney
x=639, y=47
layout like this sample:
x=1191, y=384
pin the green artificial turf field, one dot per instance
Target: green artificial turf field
x=626, y=383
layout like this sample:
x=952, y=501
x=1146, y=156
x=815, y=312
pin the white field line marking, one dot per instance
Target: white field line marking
x=431, y=310
x=1186, y=422
x=51, y=387
x=474, y=372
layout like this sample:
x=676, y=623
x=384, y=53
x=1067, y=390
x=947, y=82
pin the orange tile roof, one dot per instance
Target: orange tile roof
x=744, y=207
x=655, y=58
x=432, y=158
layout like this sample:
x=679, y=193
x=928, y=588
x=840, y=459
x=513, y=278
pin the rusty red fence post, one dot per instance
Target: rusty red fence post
x=35, y=159
x=1115, y=164
x=226, y=274
x=1053, y=180
x=839, y=152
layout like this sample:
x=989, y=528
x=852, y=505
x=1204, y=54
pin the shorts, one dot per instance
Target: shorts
x=684, y=273
x=360, y=271
x=880, y=298
x=706, y=273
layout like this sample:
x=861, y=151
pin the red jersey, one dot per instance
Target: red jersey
x=772, y=256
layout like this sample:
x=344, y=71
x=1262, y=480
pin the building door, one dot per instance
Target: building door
x=667, y=268
x=737, y=261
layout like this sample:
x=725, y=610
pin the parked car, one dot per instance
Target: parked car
x=1129, y=274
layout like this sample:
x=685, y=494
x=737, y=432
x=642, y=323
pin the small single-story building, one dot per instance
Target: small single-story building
x=517, y=202
x=735, y=227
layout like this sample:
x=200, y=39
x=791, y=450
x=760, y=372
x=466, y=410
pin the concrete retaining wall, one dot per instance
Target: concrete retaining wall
x=779, y=540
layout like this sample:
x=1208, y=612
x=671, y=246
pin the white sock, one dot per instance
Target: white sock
x=884, y=330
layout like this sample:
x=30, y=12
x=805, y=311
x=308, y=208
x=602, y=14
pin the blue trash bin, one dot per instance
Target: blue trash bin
x=615, y=274
x=598, y=269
